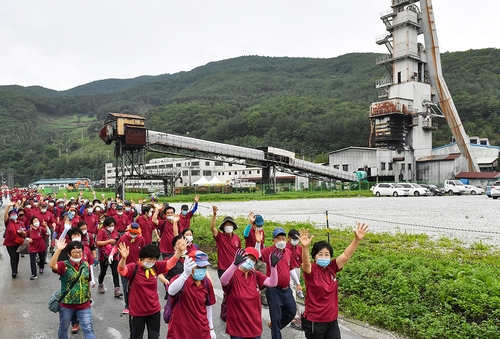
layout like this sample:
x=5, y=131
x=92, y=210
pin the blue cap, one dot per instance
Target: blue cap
x=278, y=231
x=201, y=258
x=259, y=221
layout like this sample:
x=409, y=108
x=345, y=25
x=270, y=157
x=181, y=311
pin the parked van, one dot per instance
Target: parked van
x=454, y=187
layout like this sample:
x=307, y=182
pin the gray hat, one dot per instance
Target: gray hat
x=228, y=219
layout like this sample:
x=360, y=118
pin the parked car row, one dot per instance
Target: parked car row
x=451, y=187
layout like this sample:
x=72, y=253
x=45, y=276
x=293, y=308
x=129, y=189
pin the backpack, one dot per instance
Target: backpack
x=172, y=301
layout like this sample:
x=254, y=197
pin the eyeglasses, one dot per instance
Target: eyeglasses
x=77, y=252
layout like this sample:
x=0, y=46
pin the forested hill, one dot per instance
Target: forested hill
x=310, y=106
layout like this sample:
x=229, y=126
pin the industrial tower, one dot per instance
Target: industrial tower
x=414, y=87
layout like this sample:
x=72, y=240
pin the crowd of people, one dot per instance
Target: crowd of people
x=143, y=243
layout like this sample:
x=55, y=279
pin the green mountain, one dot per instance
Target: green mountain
x=310, y=106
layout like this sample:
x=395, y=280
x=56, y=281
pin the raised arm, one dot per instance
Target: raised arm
x=305, y=240
x=359, y=234
x=214, y=229
x=60, y=245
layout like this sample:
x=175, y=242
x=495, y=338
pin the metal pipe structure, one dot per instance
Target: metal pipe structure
x=437, y=81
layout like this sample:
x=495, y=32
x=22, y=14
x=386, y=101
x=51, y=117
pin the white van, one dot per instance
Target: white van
x=454, y=187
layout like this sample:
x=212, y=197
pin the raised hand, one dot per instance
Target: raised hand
x=251, y=218
x=276, y=256
x=60, y=244
x=214, y=210
x=124, y=250
x=176, y=218
x=258, y=236
x=196, y=198
x=305, y=240
x=182, y=245
x=189, y=264
x=361, y=231
x=240, y=256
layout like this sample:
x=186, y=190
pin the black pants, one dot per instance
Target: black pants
x=14, y=258
x=138, y=324
x=282, y=309
x=41, y=264
x=114, y=271
x=318, y=330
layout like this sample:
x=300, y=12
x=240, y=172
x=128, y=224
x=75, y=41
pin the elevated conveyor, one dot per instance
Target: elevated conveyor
x=282, y=160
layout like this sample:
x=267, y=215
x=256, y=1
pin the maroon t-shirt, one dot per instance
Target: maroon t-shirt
x=250, y=240
x=38, y=236
x=227, y=245
x=104, y=235
x=92, y=222
x=283, y=267
x=189, y=317
x=147, y=228
x=295, y=255
x=134, y=246
x=47, y=217
x=323, y=304
x=12, y=232
x=121, y=222
x=167, y=234
x=143, y=297
x=184, y=221
x=243, y=297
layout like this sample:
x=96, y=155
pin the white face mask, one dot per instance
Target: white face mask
x=76, y=260
x=119, y=213
x=133, y=236
x=127, y=209
x=51, y=204
x=43, y=210
x=294, y=242
x=77, y=239
x=150, y=214
x=90, y=210
x=148, y=264
x=110, y=229
x=36, y=224
x=281, y=244
x=189, y=238
x=84, y=232
x=170, y=217
x=97, y=209
x=258, y=228
x=228, y=229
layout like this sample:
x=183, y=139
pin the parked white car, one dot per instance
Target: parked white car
x=389, y=189
x=471, y=189
x=415, y=189
x=495, y=190
x=454, y=187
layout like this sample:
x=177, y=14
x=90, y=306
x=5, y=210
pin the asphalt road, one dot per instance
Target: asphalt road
x=24, y=313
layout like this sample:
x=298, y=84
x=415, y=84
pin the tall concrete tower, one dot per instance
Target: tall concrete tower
x=402, y=121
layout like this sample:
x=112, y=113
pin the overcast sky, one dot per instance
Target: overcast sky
x=60, y=44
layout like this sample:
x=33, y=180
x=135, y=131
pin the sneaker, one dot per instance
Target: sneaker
x=100, y=289
x=33, y=277
x=118, y=293
x=125, y=311
x=75, y=328
x=40, y=270
x=296, y=325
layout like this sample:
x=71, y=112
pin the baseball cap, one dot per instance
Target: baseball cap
x=259, y=221
x=228, y=219
x=278, y=231
x=119, y=207
x=253, y=252
x=184, y=207
x=294, y=234
x=43, y=203
x=201, y=258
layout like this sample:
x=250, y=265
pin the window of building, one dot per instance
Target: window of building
x=195, y=163
x=219, y=163
x=249, y=172
x=243, y=172
x=185, y=172
x=195, y=172
x=207, y=173
x=178, y=164
x=382, y=166
x=402, y=167
x=345, y=168
x=336, y=166
x=390, y=166
x=409, y=167
x=258, y=171
x=230, y=165
x=170, y=165
x=207, y=163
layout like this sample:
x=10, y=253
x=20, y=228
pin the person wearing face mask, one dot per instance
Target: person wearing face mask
x=146, y=224
x=192, y=310
x=186, y=215
x=106, y=240
x=144, y=303
x=129, y=210
x=295, y=262
x=87, y=239
x=14, y=236
x=28, y=209
x=282, y=308
x=91, y=219
x=77, y=301
x=319, y=320
x=132, y=239
x=187, y=233
x=46, y=219
x=254, y=226
x=168, y=228
x=122, y=220
x=111, y=210
x=227, y=242
x=243, y=283
x=36, y=235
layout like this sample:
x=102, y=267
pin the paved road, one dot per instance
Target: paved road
x=24, y=313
